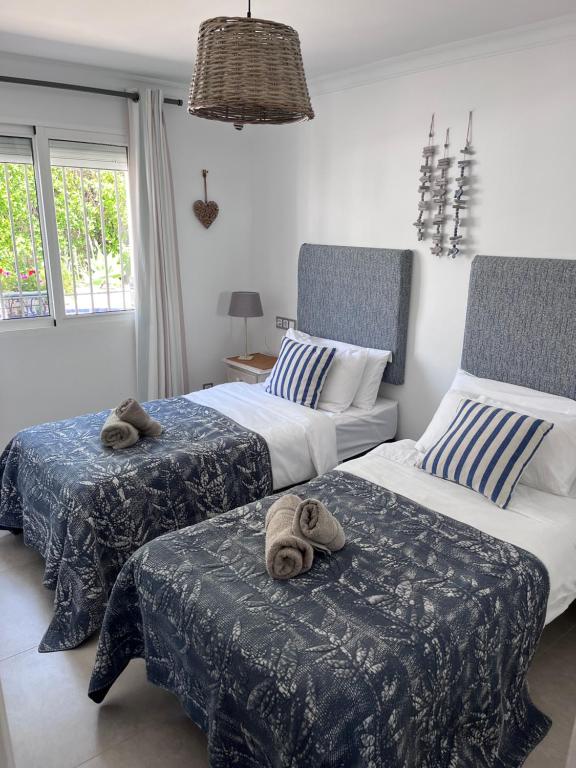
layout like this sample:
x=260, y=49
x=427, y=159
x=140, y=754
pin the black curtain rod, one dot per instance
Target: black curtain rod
x=133, y=95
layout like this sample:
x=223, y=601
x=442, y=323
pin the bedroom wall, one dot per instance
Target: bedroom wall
x=350, y=177
x=88, y=364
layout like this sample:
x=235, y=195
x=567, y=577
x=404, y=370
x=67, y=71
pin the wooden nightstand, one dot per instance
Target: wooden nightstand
x=251, y=371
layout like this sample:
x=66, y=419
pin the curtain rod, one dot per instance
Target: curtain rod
x=133, y=95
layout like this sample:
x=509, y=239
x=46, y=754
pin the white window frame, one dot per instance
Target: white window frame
x=40, y=136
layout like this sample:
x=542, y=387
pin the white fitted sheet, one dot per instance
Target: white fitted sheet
x=539, y=522
x=360, y=429
x=301, y=441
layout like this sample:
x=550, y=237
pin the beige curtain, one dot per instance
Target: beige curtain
x=160, y=341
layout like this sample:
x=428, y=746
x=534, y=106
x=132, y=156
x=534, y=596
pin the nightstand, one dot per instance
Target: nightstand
x=251, y=371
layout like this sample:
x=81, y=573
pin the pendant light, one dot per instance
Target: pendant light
x=249, y=71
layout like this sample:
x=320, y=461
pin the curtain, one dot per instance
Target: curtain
x=161, y=365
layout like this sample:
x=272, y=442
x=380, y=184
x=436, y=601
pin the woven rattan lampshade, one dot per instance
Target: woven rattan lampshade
x=249, y=71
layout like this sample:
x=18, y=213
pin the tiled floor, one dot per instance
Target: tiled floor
x=47, y=721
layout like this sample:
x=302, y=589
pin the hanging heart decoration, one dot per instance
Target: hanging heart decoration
x=206, y=210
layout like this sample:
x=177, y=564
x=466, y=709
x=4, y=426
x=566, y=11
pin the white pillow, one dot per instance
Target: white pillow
x=376, y=362
x=553, y=468
x=343, y=377
x=514, y=394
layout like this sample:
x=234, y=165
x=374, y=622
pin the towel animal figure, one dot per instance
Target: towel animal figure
x=314, y=523
x=118, y=434
x=287, y=555
x=132, y=412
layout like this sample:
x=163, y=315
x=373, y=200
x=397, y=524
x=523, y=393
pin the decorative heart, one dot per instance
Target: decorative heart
x=206, y=213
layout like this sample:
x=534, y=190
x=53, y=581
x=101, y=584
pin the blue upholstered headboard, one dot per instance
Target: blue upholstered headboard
x=521, y=322
x=357, y=295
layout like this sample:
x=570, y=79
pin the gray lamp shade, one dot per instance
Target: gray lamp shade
x=245, y=304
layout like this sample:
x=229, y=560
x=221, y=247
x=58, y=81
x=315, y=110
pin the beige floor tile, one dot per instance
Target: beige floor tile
x=53, y=724
x=13, y=553
x=560, y=626
x=171, y=745
x=26, y=608
x=553, y=686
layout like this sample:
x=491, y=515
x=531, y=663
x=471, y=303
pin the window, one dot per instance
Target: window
x=90, y=198
x=23, y=290
x=65, y=247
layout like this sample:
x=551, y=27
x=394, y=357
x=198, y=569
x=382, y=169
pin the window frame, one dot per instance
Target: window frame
x=40, y=136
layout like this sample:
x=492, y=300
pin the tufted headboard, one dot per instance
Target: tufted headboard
x=359, y=296
x=521, y=323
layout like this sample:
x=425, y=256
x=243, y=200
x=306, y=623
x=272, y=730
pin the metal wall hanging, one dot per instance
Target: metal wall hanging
x=433, y=189
x=439, y=192
x=249, y=71
x=462, y=182
x=426, y=170
x=206, y=210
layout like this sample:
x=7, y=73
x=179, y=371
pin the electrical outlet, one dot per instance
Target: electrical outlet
x=283, y=323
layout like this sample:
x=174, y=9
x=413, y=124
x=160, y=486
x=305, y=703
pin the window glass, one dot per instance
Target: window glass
x=90, y=183
x=23, y=290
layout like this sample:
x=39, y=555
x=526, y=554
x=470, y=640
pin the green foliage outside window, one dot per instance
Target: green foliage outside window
x=24, y=230
x=92, y=223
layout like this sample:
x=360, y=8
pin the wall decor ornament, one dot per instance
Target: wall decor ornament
x=206, y=210
x=439, y=193
x=462, y=182
x=425, y=187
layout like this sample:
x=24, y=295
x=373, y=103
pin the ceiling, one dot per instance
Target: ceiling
x=158, y=39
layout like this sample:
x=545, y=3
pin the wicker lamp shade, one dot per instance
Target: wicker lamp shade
x=249, y=71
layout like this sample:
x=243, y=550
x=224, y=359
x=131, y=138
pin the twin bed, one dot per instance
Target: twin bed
x=411, y=646
x=86, y=508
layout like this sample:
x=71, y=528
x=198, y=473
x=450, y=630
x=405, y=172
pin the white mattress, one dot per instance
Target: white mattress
x=302, y=442
x=359, y=429
x=539, y=522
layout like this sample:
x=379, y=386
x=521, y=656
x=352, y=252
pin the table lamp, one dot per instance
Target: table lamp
x=245, y=304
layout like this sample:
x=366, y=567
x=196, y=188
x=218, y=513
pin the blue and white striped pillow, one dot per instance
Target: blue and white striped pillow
x=486, y=448
x=300, y=372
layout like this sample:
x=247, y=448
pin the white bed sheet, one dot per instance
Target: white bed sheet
x=539, y=522
x=360, y=429
x=301, y=441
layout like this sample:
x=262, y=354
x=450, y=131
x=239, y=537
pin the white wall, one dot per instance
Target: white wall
x=350, y=177
x=88, y=364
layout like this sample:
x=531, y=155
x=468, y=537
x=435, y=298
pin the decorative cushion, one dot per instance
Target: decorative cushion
x=553, y=469
x=300, y=372
x=344, y=376
x=371, y=377
x=486, y=448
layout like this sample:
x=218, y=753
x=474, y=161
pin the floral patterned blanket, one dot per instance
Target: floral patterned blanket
x=410, y=647
x=86, y=508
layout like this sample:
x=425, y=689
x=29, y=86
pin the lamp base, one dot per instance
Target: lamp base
x=245, y=357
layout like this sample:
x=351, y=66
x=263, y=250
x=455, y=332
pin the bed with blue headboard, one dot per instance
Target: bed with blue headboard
x=359, y=296
x=521, y=323
x=86, y=507
x=411, y=645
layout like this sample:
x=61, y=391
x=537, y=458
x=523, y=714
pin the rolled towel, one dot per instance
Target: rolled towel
x=132, y=412
x=117, y=433
x=313, y=522
x=287, y=555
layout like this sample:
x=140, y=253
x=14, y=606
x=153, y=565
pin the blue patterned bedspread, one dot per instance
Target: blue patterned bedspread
x=86, y=508
x=407, y=649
